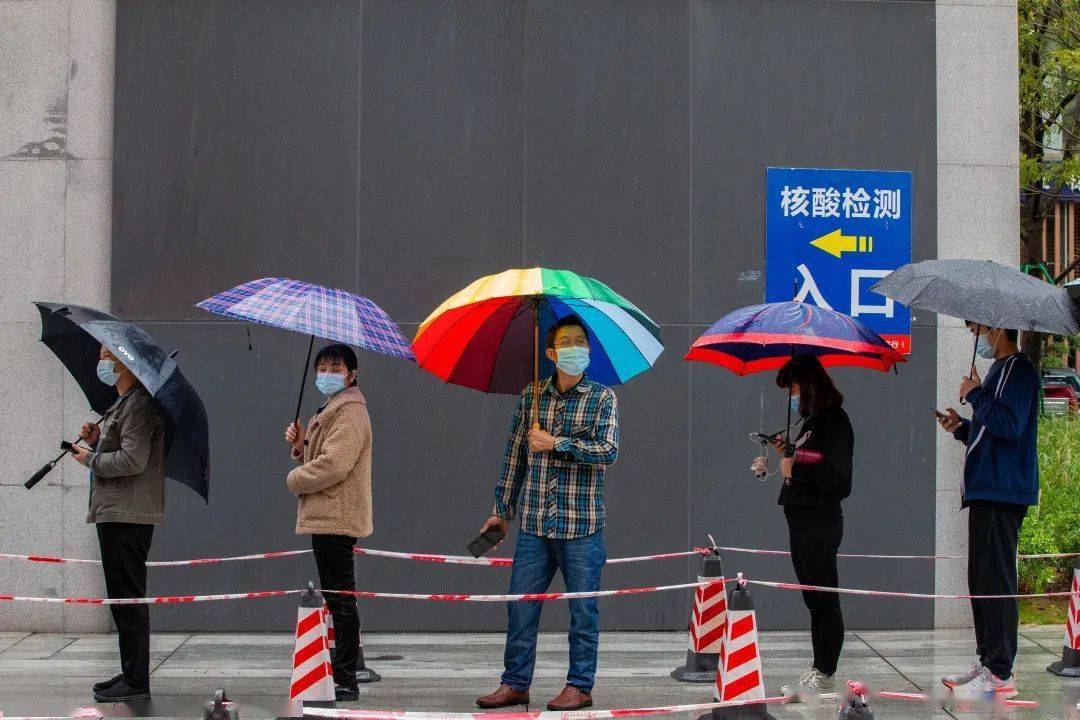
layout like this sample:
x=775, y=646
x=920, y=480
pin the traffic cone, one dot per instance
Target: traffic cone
x=708, y=623
x=312, y=676
x=739, y=676
x=364, y=674
x=1069, y=665
x=854, y=706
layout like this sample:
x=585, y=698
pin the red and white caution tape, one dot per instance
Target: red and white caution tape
x=421, y=557
x=536, y=714
x=865, y=556
x=896, y=594
x=526, y=597
x=922, y=697
x=162, y=600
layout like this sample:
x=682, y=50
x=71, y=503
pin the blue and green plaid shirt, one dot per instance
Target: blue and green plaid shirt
x=564, y=489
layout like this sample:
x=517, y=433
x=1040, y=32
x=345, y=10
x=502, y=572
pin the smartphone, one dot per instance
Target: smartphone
x=486, y=541
x=65, y=445
x=937, y=413
x=758, y=437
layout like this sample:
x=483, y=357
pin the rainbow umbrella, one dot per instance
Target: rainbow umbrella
x=487, y=336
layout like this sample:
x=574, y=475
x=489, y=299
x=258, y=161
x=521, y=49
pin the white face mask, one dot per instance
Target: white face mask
x=984, y=348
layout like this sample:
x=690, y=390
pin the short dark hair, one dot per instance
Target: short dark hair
x=1011, y=334
x=568, y=321
x=337, y=353
x=816, y=389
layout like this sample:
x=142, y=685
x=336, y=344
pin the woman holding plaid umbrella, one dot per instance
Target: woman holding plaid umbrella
x=333, y=490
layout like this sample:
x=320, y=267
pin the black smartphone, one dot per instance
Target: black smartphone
x=758, y=437
x=486, y=541
x=65, y=445
x=937, y=413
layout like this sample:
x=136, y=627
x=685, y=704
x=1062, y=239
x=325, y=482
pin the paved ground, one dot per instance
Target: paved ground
x=51, y=674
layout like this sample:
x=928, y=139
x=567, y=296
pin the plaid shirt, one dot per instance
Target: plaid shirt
x=564, y=489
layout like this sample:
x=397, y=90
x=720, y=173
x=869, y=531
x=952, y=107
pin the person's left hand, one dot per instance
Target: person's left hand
x=968, y=384
x=81, y=454
x=787, y=466
x=541, y=440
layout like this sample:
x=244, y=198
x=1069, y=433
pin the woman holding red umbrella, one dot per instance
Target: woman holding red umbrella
x=817, y=477
x=800, y=341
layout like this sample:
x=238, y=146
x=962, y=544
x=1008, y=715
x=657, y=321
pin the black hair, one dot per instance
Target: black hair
x=338, y=353
x=568, y=321
x=1011, y=334
x=816, y=389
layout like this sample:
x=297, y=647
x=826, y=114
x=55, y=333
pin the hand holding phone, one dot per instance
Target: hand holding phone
x=937, y=413
x=487, y=540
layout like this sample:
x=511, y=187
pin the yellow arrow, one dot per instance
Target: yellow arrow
x=836, y=243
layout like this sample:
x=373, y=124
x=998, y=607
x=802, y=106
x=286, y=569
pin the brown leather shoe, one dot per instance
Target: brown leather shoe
x=570, y=699
x=505, y=696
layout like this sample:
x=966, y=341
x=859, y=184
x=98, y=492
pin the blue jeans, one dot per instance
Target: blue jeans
x=535, y=561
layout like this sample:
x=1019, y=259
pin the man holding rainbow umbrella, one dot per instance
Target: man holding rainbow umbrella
x=563, y=436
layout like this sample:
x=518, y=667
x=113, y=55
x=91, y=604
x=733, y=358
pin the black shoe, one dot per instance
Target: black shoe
x=121, y=691
x=344, y=693
x=106, y=684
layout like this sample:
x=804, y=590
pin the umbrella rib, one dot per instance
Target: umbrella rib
x=518, y=310
x=569, y=301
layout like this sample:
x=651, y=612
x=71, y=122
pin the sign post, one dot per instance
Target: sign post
x=831, y=234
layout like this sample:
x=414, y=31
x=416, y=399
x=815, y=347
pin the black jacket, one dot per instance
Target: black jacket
x=823, y=485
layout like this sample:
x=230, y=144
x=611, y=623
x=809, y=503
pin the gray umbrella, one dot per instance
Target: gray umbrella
x=984, y=292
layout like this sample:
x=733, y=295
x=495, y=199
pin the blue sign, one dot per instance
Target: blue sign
x=831, y=234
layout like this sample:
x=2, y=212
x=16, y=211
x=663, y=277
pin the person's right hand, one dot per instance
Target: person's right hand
x=951, y=422
x=294, y=435
x=760, y=466
x=90, y=434
x=495, y=522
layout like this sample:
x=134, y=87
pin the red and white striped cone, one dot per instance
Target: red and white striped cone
x=739, y=676
x=708, y=623
x=1069, y=665
x=329, y=620
x=312, y=675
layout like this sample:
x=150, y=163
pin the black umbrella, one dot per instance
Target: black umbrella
x=76, y=333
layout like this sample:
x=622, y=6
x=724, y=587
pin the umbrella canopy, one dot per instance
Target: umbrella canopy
x=484, y=337
x=312, y=310
x=75, y=333
x=764, y=337
x=984, y=292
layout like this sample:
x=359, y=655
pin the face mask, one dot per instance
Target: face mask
x=572, y=360
x=984, y=348
x=329, y=384
x=106, y=372
x=795, y=404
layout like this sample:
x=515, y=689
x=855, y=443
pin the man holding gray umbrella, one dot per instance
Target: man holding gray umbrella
x=127, y=498
x=1001, y=473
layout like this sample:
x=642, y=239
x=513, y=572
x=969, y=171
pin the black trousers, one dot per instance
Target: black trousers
x=993, y=536
x=124, y=547
x=334, y=559
x=815, y=540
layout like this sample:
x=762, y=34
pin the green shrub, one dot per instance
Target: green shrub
x=1053, y=526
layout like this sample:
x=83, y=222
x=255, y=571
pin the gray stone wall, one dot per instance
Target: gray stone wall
x=56, y=91
x=978, y=216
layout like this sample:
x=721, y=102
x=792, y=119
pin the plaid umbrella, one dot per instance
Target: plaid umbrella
x=312, y=310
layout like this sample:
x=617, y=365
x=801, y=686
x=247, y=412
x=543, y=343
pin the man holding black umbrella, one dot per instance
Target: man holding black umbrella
x=127, y=498
x=1001, y=480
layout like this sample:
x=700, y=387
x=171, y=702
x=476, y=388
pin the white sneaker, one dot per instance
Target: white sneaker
x=951, y=681
x=986, y=686
x=812, y=685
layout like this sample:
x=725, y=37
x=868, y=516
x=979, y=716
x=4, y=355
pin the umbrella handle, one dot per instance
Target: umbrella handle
x=45, y=470
x=303, y=381
x=974, y=349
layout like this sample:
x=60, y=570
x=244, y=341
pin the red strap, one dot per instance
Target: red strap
x=808, y=457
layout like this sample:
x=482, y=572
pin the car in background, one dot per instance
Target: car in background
x=1060, y=398
x=1062, y=375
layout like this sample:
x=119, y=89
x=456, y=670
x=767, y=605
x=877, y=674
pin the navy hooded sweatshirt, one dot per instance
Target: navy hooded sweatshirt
x=1002, y=463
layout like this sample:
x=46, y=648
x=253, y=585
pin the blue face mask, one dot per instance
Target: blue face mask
x=106, y=372
x=795, y=404
x=329, y=384
x=572, y=360
x=984, y=348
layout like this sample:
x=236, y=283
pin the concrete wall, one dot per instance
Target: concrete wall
x=402, y=149
x=978, y=216
x=55, y=223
